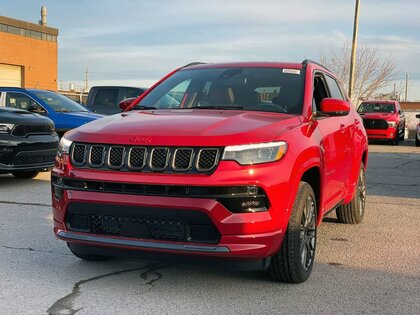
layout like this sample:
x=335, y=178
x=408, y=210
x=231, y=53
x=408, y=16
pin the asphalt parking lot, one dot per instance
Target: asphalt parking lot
x=373, y=267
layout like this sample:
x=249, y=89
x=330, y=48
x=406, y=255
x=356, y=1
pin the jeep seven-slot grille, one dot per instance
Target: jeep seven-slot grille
x=145, y=159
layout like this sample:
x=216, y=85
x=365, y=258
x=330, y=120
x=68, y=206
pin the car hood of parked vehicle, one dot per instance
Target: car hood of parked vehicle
x=384, y=116
x=13, y=116
x=88, y=116
x=186, y=127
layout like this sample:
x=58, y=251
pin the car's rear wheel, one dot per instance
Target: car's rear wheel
x=354, y=211
x=294, y=261
x=87, y=256
x=25, y=174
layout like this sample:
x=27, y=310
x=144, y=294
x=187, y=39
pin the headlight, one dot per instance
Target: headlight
x=255, y=153
x=64, y=146
x=6, y=128
x=392, y=124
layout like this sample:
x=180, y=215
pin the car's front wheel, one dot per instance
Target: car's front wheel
x=25, y=174
x=417, y=141
x=354, y=211
x=294, y=261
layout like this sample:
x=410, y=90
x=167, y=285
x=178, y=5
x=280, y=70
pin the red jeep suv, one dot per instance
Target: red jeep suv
x=383, y=120
x=237, y=161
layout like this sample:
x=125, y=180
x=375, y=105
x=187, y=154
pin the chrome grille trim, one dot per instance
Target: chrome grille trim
x=130, y=151
x=92, y=164
x=145, y=159
x=174, y=159
x=75, y=147
x=115, y=166
x=199, y=159
x=151, y=160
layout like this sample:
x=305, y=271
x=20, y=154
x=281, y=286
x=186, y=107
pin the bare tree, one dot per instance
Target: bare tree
x=372, y=72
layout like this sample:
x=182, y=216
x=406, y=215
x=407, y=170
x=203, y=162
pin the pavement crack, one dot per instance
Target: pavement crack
x=33, y=250
x=25, y=203
x=64, y=305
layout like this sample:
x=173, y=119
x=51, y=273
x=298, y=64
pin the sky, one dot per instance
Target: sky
x=133, y=42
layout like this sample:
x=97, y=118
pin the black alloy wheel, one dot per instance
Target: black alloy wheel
x=294, y=261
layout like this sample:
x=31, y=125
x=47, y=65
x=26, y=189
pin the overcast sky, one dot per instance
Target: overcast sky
x=137, y=42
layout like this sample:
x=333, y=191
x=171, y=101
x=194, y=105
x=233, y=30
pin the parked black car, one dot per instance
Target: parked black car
x=28, y=143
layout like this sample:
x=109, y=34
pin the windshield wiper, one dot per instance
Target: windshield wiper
x=217, y=107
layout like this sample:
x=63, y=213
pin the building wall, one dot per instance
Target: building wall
x=37, y=57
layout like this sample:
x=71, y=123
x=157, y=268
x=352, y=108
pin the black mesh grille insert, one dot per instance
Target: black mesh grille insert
x=116, y=155
x=26, y=129
x=207, y=159
x=182, y=159
x=137, y=157
x=79, y=153
x=97, y=155
x=159, y=158
x=30, y=159
x=156, y=224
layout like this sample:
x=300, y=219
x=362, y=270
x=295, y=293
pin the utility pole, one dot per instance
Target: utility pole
x=86, y=79
x=353, y=49
x=406, y=87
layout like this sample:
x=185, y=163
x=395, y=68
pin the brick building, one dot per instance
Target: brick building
x=28, y=54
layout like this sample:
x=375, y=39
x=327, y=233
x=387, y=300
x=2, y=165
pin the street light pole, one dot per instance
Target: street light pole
x=353, y=49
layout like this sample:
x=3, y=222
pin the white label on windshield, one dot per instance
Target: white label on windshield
x=291, y=71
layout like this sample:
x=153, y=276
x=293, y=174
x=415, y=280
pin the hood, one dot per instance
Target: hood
x=14, y=116
x=385, y=116
x=85, y=116
x=185, y=128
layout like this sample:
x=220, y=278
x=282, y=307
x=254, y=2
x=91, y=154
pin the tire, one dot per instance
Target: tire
x=25, y=174
x=86, y=256
x=401, y=136
x=417, y=142
x=294, y=261
x=354, y=211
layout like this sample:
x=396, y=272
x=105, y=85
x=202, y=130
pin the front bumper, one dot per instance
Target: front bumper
x=242, y=235
x=386, y=134
x=31, y=153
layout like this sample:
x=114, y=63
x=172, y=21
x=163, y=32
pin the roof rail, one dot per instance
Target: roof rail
x=306, y=61
x=194, y=64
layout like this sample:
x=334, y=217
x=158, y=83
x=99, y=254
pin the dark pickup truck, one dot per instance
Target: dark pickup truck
x=105, y=99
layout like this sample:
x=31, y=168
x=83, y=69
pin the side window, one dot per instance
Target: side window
x=106, y=97
x=22, y=101
x=334, y=88
x=320, y=92
x=132, y=93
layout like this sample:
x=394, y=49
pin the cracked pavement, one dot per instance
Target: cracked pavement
x=369, y=268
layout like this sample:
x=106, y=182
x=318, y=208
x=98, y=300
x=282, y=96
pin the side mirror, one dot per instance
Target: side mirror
x=126, y=102
x=334, y=107
x=418, y=116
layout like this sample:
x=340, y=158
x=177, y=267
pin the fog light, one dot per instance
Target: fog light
x=245, y=204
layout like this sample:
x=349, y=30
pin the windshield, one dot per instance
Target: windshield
x=58, y=102
x=376, y=108
x=254, y=89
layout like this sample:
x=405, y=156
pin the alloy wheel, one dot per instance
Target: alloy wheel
x=308, y=233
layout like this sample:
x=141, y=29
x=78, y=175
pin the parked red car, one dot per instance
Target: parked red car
x=383, y=120
x=236, y=161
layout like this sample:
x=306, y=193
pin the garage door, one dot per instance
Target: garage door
x=10, y=75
